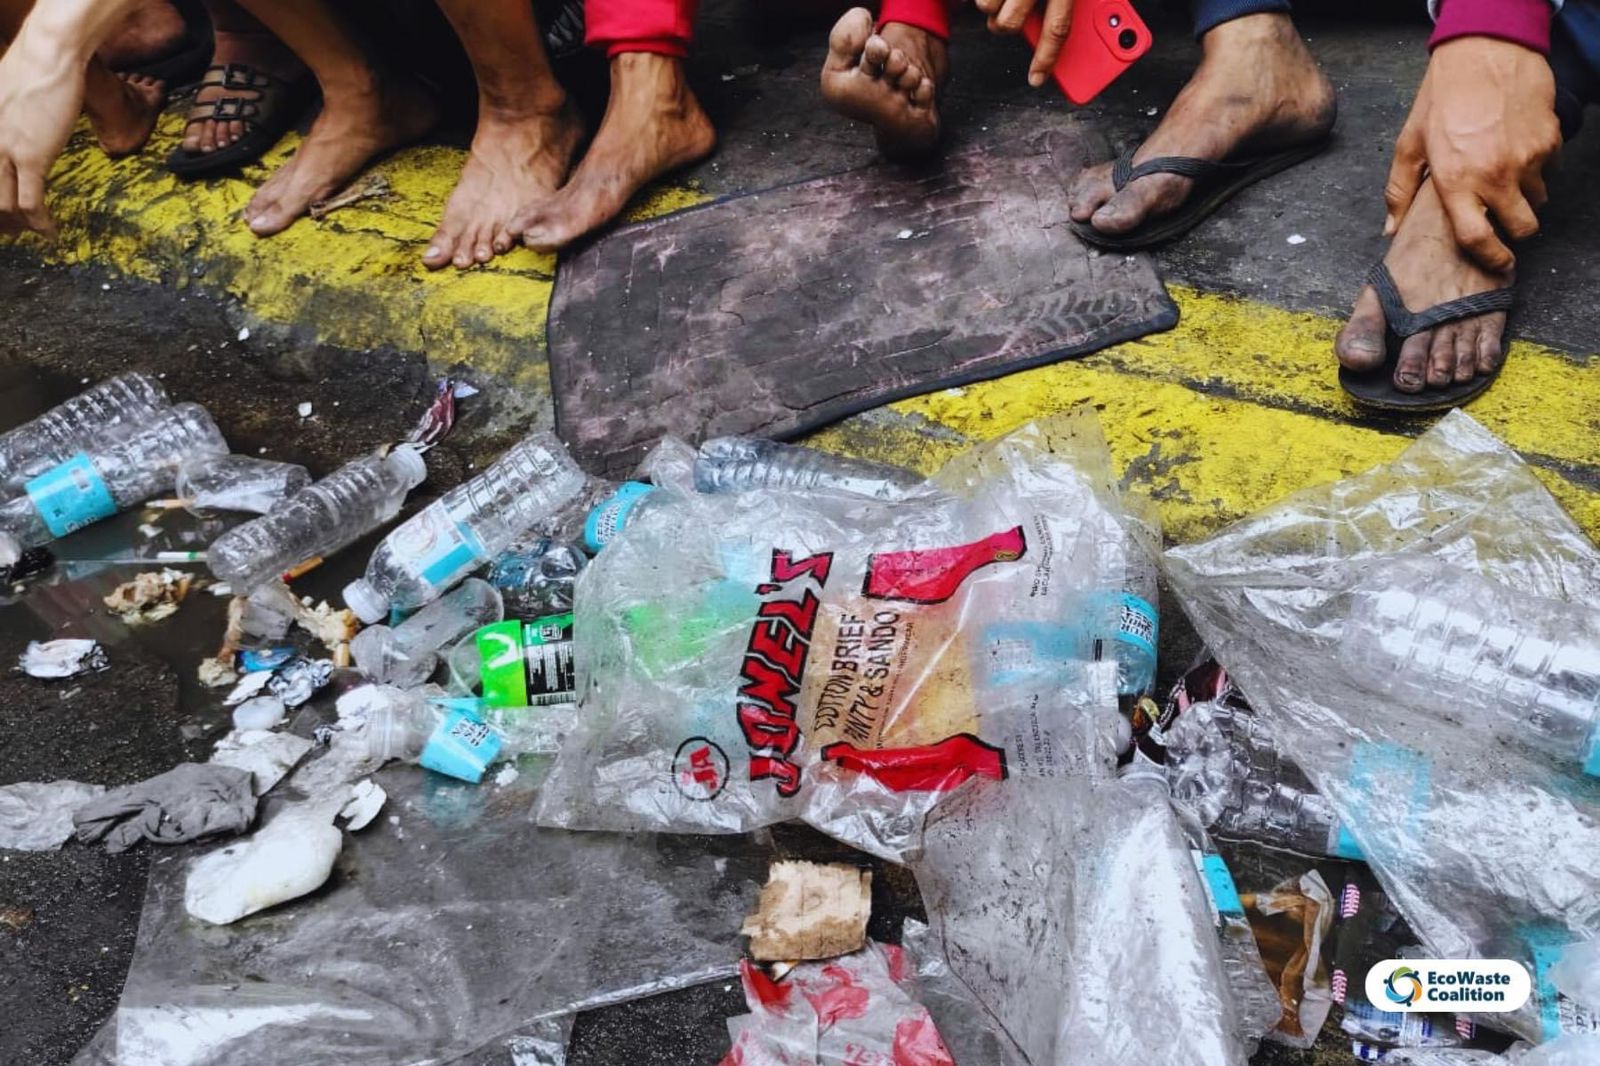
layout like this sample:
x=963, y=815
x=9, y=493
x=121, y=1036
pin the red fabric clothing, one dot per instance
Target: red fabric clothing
x=1524, y=22
x=930, y=15
x=664, y=27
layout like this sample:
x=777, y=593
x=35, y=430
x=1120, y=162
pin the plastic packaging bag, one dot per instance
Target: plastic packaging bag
x=450, y=924
x=1490, y=849
x=1087, y=922
x=750, y=658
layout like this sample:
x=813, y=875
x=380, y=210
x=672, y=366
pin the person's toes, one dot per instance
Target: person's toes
x=1090, y=190
x=874, y=55
x=442, y=248
x=895, y=67
x=1360, y=344
x=191, y=137
x=483, y=244
x=1491, y=342
x=848, y=38
x=922, y=95
x=1466, y=350
x=1411, y=369
x=235, y=130
x=1442, y=355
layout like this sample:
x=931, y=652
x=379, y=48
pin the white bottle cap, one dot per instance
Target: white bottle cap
x=406, y=459
x=368, y=603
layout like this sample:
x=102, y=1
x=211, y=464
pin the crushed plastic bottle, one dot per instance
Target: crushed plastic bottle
x=538, y=580
x=1222, y=765
x=91, y=486
x=1524, y=667
x=318, y=520
x=739, y=464
x=407, y=654
x=1128, y=623
x=466, y=528
x=459, y=737
x=111, y=411
x=237, y=483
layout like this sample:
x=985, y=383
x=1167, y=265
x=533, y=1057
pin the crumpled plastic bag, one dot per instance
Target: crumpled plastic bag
x=1490, y=850
x=37, y=815
x=189, y=801
x=854, y=1010
x=746, y=659
x=1071, y=905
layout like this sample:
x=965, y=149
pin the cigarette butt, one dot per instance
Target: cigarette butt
x=169, y=504
x=304, y=568
x=341, y=654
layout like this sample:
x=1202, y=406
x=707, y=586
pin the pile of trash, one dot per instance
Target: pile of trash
x=525, y=769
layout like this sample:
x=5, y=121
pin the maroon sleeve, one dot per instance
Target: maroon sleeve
x=1524, y=22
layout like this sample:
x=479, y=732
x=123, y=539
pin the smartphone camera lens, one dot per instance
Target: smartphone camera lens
x=1127, y=39
x=1114, y=21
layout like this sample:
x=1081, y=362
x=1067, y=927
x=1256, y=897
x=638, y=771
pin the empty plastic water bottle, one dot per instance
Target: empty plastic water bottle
x=318, y=520
x=112, y=410
x=611, y=516
x=1475, y=651
x=466, y=527
x=95, y=485
x=538, y=580
x=1222, y=764
x=408, y=654
x=1124, y=623
x=739, y=464
x=238, y=483
x=455, y=737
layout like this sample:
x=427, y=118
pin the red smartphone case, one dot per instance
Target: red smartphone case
x=1106, y=38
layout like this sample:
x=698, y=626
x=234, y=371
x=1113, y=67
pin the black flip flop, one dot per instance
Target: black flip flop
x=1214, y=185
x=275, y=108
x=1376, y=388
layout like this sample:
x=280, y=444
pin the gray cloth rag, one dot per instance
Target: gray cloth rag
x=190, y=801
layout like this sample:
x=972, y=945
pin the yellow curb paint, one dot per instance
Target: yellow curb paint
x=1234, y=409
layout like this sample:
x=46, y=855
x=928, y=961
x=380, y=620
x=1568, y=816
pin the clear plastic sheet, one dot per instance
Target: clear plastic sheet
x=452, y=930
x=745, y=659
x=1489, y=849
x=1071, y=906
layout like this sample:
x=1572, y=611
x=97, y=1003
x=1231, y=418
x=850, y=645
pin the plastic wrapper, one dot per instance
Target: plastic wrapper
x=1489, y=849
x=37, y=815
x=854, y=1010
x=451, y=927
x=1063, y=897
x=1290, y=922
x=746, y=659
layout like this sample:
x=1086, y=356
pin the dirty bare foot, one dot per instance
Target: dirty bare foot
x=259, y=50
x=360, y=121
x=1429, y=268
x=1257, y=87
x=889, y=80
x=515, y=161
x=150, y=31
x=123, y=112
x=653, y=125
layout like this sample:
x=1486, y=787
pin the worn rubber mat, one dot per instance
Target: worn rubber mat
x=780, y=311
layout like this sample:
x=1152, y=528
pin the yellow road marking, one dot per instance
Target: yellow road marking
x=1232, y=410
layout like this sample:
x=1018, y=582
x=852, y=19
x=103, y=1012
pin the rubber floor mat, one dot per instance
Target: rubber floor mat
x=780, y=311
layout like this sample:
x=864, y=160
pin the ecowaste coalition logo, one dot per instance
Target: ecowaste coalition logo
x=1478, y=985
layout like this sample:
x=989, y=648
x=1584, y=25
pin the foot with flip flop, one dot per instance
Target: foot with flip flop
x=1428, y=330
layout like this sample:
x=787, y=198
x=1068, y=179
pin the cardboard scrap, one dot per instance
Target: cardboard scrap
x=149, y=597
x=810, y=910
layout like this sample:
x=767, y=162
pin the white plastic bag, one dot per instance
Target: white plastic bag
x=746, y=659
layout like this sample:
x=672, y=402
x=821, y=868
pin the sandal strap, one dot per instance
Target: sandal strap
x=237, y=76
x=225, y=109
x=1123, y=171
x=1403, y=322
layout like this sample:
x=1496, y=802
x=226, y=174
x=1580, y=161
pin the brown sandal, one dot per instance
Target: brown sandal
x=270, y=109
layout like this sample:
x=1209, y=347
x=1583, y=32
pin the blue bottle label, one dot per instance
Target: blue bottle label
x=1591, y=761
x=1391, y=786
x=462, y=746
x=1219, y=884
x=1558, y=1014
x=611, y=517
x=1138, y=624
x=71, y=496
x=435, y=548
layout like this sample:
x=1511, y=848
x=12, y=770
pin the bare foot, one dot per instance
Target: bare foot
x=1428, y=268
x=514, y=162
x=151, y=30
x=1257, y=87
x=653, y=125
x=358, y=123
x=889, y=80
x=261, y=51
x=124, y=114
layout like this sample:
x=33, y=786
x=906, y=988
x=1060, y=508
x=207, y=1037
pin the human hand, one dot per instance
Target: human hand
x=1483, y=127
x=1008, y=16
x=41, y=94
